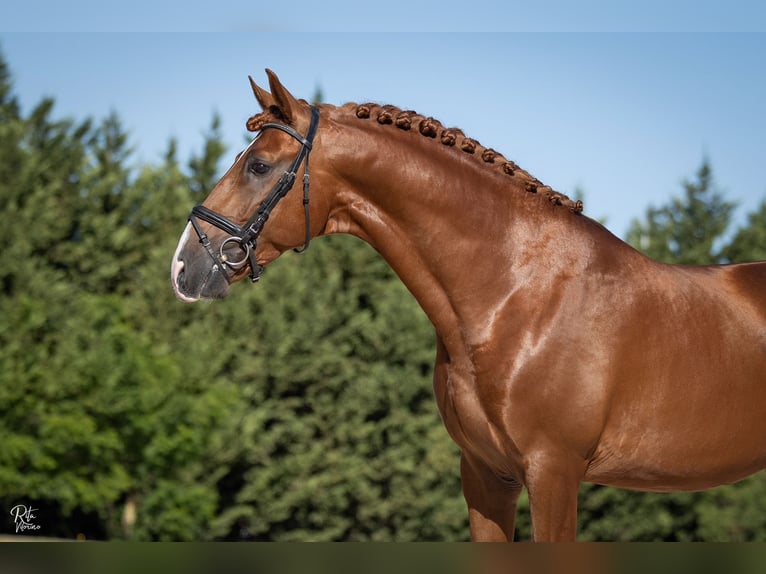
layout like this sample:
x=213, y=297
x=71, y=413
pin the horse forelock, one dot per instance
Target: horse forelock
x=272, y=114
x=407, y=120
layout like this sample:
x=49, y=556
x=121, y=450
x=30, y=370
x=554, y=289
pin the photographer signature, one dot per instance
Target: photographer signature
x=23, y=518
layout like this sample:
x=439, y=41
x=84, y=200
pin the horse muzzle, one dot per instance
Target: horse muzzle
x=194, y=276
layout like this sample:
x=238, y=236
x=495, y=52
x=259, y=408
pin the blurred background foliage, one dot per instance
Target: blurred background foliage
x=298, y=410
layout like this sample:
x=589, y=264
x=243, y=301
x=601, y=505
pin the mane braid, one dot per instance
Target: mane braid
x=429, y=127
x=255, y=123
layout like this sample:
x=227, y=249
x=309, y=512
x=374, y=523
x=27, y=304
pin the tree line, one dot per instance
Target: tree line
x=298, y=410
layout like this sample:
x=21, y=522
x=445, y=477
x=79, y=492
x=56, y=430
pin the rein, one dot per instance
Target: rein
x=247, y=235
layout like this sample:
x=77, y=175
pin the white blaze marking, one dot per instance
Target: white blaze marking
x=177, y=266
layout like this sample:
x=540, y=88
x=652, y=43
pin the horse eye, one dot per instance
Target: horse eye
x=259, y=168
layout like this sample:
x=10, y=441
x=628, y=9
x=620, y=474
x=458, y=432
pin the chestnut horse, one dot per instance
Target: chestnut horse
x=563, y=354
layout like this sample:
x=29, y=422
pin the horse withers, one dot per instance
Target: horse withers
x=563, y=354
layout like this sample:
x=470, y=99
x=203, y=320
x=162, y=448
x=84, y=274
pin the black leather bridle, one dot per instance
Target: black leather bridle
x=247, y=235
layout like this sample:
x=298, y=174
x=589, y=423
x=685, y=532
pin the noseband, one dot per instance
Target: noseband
x=247, y=235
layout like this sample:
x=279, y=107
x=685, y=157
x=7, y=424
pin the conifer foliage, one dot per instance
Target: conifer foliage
x=300, y=409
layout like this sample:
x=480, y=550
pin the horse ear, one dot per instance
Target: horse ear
x=264, y=98
x=284, y=100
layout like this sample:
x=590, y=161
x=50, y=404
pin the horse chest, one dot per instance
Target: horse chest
x=467, y=420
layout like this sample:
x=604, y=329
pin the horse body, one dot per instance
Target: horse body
x=563, y=355
x=688, y=387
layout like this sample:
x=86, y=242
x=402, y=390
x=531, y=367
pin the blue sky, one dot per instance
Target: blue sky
x=624, y=116
x=393, y=15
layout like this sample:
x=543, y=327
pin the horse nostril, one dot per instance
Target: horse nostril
x=178, y=273
x=182, y=274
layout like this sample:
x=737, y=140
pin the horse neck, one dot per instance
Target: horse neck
x=450, y=224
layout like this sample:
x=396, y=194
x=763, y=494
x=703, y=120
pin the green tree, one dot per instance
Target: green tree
x=204, y=167
x=342, y=439
x=749, y=243
x=318, y=96
x=301, y=409
x=688, y=228
x=96, y=409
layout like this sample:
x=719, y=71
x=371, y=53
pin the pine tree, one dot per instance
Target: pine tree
x=343, y=439
x=300, y=409
x=749, y=243
x=204, y=167
x=96, y=409
x=688, y=229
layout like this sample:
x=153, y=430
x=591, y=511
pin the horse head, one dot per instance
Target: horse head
x=227, y=236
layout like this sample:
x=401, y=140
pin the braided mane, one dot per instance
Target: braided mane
x=453, y=137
